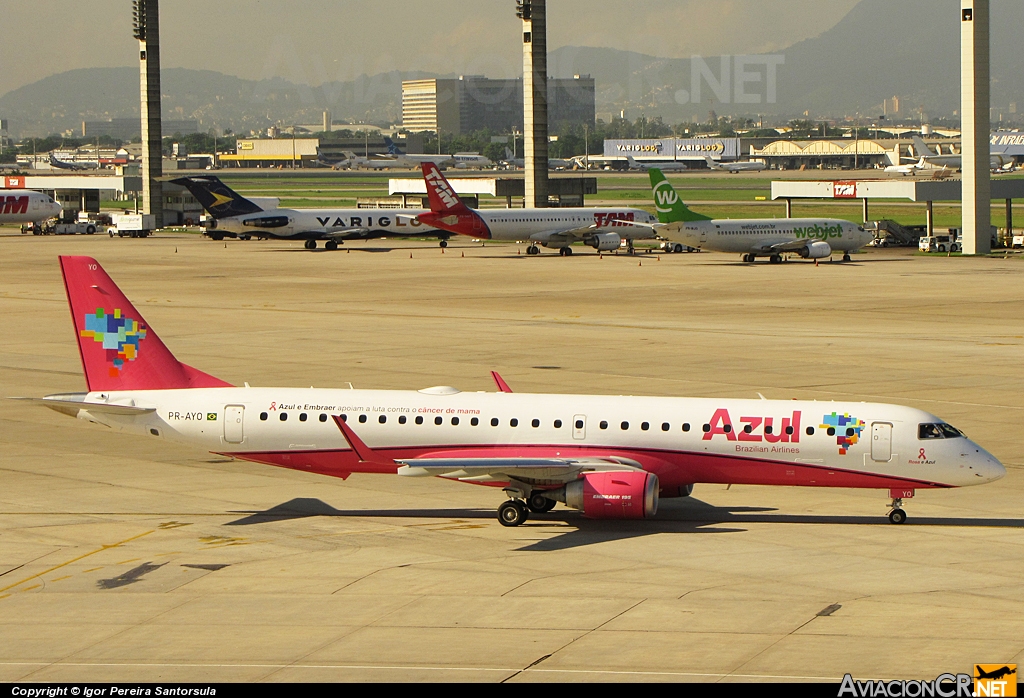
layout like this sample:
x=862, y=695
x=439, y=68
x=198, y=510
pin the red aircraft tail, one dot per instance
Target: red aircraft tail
x=447, y=211
x=119, y=350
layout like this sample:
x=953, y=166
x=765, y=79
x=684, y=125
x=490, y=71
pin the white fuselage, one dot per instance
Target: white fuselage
x=540, y=224
x=682, y=440
x=322, y=223
x=759, y=236
x=26, y=206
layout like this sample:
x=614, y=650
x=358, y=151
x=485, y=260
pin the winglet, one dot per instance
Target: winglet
x=365, y=453
x=502, y=385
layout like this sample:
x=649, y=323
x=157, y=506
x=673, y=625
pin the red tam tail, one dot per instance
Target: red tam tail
x=119, y=350
x=442, y=196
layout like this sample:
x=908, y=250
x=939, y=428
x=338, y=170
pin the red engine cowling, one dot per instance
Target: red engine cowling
x=617, y=495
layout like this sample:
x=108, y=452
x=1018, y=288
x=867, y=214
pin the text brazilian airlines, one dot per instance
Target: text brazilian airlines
x=232, y=215
x=608, y=456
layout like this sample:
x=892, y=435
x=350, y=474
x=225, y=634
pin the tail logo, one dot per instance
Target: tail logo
x=119, y=335
x=444, y=191
x=665, y=197
x=219, y=199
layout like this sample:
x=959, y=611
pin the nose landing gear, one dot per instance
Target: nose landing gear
x=897, y=515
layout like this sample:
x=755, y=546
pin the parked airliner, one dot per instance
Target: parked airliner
x=735, y=167
x=233, y=215
x=810, y=238
x=610, y=457
x=26, y=206
x=558, y=228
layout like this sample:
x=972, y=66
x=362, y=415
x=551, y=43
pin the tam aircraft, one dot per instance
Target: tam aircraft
x=811, y=238
x=610, y=457
x=26, y=206
x=233, y=215
x=557, y=228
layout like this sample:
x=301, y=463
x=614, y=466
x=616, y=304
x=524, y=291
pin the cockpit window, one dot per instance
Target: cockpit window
x=951, y=432
x=938, y=431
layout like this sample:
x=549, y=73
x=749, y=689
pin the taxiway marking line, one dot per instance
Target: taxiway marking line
x=80, y=557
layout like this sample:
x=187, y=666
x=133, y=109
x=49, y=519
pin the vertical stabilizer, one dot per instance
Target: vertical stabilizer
x=119, y=350
x=670, y=207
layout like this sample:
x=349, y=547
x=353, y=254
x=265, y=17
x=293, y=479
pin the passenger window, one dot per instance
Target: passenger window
x=727, y=428
x=302, y=417
x=767, y=430
x=624, y=426
x=344, y=417
x=603, y=425
x=579, y=423
x=686, y=427
x=831, y=431
x=382, y=419
x=747, y=429
x=284, y=417
x=810, y=431
x=789, y=431
x=666, y=426
x=402, y=419
x=535, y=423
x=455, y=421
x=558, y=424
x=419, y=420
x=263, y=416
x=362, y=419
x=438, y=420
x=514, y=423
x=929, y=431
x=494, y=421
x=323, y=418
x=645, y=426
x=474, y=422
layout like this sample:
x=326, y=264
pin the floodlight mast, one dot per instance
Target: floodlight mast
x=146, y=29
x=535, y=100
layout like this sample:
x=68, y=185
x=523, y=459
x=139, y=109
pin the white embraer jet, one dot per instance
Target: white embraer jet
x=603, y=229
x=26, y=206
x=811, y=238
x=610, y=457
x=232, y=215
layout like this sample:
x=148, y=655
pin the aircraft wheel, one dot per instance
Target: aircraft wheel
x=443, y=244
x=775, y=259
x=532, y=249
x=331, y=245
x=847, y=258
x=310, y=244
x=539, y=504
x=897, y=516
x=512, y=513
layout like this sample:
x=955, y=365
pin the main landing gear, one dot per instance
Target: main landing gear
x=310, y=244
x=331, y=245
x=533, y=249
x=517, y=510
x=443, y=243
x=565, y=251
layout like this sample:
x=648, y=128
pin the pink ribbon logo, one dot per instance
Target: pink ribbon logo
x=922, y=456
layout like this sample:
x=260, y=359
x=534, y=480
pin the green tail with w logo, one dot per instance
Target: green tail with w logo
x=670, y=207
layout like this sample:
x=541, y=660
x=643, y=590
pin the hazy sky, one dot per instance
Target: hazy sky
x=316, y=40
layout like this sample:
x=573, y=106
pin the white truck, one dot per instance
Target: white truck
x=939, y=243
x=77, y=228
x=132, y=225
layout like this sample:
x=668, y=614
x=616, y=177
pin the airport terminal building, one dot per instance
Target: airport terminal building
x=475, y=103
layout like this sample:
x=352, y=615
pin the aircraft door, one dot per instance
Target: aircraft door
x=233, y=416
x=579, y=427
x=703, y=235
x=881, y=442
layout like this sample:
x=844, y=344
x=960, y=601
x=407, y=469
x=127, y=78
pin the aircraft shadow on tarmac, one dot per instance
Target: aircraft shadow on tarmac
x=680, y=516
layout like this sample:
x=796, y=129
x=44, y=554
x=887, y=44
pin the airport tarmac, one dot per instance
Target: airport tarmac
x=127, y=559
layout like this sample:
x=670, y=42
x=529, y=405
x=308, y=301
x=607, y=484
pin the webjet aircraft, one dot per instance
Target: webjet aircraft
x=26, y=206
x=235, y=216
x=610, y=457
x=811, y=238
x=557, y=228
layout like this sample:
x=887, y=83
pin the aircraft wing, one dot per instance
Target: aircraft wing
x=503, y=469
x=343, y=232
x=575, y=234
x=786, y=246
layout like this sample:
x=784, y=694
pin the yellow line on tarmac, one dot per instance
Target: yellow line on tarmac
x=80, y=557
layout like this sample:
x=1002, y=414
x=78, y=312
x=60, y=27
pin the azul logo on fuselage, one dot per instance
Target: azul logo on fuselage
x=770, y=429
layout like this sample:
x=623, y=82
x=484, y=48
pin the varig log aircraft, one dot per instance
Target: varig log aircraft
x=610, y=457
x=811, y=238
x=557, y=228
x=233, y=215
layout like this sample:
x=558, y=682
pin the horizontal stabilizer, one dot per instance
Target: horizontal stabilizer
x=69, y=405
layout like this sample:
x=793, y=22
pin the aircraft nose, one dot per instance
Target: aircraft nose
x=985, y=466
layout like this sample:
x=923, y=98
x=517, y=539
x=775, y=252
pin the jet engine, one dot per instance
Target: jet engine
x=605, y=242
x=816, y=250
x=615, y=495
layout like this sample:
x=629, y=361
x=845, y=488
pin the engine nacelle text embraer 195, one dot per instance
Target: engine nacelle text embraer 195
x=609, y=457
